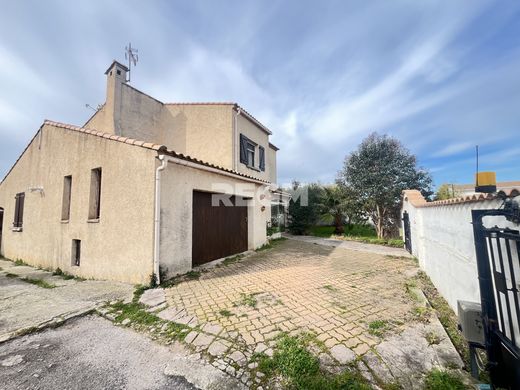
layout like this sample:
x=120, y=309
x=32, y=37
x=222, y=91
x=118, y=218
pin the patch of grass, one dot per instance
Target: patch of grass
x=445, y=314
x=271, y=244
x=11, y=275
x=300, y=369
x=225, y=313
x=377, y=327
x=193, y=275
x=39, y=282
x=66, y=276
x=139, y=291
x=248, y=299
x=361, y=233
x=1, y=269
x=231, y=260
x=421, y=313
x=142, y=320
x=443, y=380
x=19, y=262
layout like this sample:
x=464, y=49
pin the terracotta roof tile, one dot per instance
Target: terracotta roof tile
x=417, y=200
x=161, y=149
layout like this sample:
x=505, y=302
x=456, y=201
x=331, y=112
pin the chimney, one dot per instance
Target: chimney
x=116, y=77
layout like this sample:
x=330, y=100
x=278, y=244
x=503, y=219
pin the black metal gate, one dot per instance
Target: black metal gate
x=498, y=262
x=407, y=233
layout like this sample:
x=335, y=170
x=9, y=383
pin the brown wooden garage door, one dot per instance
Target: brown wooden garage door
x=218, y=231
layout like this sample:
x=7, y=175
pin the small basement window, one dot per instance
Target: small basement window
x=65, y=206
x=76, y=253
x=94, y=209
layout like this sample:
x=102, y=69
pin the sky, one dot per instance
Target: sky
x=440, y=76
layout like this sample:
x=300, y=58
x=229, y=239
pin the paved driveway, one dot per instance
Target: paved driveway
x=354, y=302
x=25, y=306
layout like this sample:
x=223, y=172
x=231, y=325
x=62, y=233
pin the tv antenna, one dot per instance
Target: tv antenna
x=132, y=57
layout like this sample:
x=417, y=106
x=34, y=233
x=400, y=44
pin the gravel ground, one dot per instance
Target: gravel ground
x=88, y=353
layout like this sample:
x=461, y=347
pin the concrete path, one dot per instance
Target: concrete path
x=25, y=306
x=352, y=245
x=90, y=353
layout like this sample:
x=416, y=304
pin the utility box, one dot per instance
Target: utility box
x=470, y=321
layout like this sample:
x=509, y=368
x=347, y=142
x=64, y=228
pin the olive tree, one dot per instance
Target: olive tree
x=377, y=172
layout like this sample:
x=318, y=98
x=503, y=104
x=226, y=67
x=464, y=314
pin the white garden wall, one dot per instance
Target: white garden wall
x=442, y=240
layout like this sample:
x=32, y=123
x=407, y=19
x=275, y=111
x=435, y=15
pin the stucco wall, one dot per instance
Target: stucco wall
x=442, y=240
x=260, y=137
x=202, y=131
x=271, y=165
x=120, y=245
x=177, y=186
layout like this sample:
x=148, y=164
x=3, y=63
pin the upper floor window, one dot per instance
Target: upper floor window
x=18, y=211
x=248, y=150
x=94, y=209
x=250, y=154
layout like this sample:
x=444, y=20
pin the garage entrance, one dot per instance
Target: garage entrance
x=218, y=231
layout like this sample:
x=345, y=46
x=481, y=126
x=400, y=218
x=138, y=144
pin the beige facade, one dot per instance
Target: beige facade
x=145, y=220
x=117, y=246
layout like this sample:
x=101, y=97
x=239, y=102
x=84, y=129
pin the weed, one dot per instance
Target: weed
x=442, y=380
x=139, y=291
x=39, y=282
x=58, y=272
x=445, y=314
x=66, y=276
x=248, y=299
x=1, y=269
x=421, y=313
x=225, y=313
x=271, y=244
x=19, y=262
x=300, y=369
x=231, y=260
x=10, y=275
x=193, y=275
x=432, y=338
x=377, y=327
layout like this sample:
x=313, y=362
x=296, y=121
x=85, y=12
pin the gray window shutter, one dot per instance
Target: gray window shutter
x=262, y=158
x=243, y=149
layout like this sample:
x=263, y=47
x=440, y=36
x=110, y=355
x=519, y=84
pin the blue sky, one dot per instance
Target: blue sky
x=441, y=76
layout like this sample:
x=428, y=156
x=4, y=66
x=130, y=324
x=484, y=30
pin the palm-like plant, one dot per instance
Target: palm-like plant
x=334, y=203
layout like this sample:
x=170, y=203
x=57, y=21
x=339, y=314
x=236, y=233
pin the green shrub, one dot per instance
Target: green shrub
x=442, y=380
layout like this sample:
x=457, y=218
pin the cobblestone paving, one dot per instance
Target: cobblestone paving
x=238, y=309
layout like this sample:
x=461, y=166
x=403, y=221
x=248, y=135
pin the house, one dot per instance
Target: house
x=461, y=190
x=142, y=188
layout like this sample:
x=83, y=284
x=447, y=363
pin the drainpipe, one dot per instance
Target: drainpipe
x=235, y=136
x=157, y=221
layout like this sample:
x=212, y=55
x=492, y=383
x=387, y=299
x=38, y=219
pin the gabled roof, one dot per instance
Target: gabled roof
x=161, y=149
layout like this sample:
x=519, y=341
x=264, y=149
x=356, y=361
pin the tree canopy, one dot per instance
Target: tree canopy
x=377, y=173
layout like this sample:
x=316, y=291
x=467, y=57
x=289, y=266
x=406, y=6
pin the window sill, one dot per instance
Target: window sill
x=96, y=220
x=64, y=221
x=17, y=229
x=253, y=168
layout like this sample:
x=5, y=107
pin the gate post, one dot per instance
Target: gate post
x=489, y=311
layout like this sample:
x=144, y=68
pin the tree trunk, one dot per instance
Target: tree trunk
x=379, y=222
x=338, y=224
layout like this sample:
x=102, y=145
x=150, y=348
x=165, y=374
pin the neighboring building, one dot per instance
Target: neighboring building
x=469, y=189
x=129, y=194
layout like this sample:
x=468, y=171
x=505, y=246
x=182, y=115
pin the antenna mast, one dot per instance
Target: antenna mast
x=132, y=57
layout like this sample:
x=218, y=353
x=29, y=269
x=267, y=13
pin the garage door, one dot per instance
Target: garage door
x=218, y=231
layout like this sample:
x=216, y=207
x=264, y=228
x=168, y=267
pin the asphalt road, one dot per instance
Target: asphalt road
x=87, y=353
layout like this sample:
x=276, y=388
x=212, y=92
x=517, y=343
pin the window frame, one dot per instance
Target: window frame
x=67, y=198
x=250, y=151
x=94, y=204
x=18, y=212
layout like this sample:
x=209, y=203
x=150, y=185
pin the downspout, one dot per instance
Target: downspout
x=235, y=136
x=157, y=221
